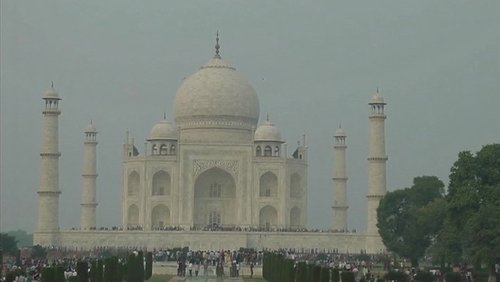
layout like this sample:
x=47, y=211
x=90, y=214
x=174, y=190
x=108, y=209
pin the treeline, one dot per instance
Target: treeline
x=456, y=226
x=277, y=268
x=133, y=268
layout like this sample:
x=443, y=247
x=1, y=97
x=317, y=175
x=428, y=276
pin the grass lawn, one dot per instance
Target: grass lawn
x=160, y=278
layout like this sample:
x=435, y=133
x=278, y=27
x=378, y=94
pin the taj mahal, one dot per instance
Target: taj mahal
x=214, y=177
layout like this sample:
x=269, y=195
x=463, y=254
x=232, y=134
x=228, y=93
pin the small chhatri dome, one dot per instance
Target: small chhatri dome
x=51, y=93
x=340, y=132
x=267, y=132
x=90, y=128
x=163, y=130
x=377, y=99
x=216, y=95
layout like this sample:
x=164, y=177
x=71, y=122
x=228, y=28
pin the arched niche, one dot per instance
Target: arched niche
x=268, y=185
x=295, y=186
x=133, y=215
x=161, y=183
x=133, y=183
x=268, y=217
x=214, y=190
x=295, y=217
x=160, y=217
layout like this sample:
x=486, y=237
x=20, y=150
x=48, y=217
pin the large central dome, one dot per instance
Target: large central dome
x=216, y=96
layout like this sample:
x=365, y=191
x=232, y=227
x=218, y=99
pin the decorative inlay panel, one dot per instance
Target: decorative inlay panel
x=200, y=166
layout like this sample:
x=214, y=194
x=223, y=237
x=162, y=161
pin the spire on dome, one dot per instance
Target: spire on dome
x=164, y=115
x=267, y=118
x=217, y=46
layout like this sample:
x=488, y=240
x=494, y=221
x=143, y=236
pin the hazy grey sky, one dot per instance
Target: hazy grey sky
x=313, y=65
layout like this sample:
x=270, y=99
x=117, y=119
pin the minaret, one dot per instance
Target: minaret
x=340, y=181
x=48, y=193
x=376, y=161
x=89, y=203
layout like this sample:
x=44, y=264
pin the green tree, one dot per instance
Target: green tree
x=324, y=275
x=38, y=252
x=149, y=265
x=23, y=238
x=48, y=274
x=8, y=244
x=82, y=270
x=301, y=275
x=473, y=207
x=403, y=217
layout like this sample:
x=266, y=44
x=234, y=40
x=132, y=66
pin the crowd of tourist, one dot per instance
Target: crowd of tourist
x=226, y=228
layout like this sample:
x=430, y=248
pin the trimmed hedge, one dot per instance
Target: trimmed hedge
x=424, y=276
x=453, y=277
x=397, y=276
x=335, y=275
x=347, y=276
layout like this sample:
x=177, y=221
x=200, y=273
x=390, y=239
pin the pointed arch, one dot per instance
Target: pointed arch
x=295, y=186
x=268, y=217
x=160, y=217
x=258, y=151
x=268, y=185
x=214, y=190
x=295, y=217
x=133, y=182
x=163, y=149
x=133, y=215
x=268, y=151
x=161, y=183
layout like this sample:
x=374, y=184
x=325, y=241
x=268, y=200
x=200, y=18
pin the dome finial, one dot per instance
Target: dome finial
x=52, y=84
x=217, y=46
x=377, y=90
x=267, y=118
x=164, y=115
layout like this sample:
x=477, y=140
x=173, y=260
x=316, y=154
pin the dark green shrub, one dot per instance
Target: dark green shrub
x=265, y=266
x=453, y=277
x=288, y=270
x=301, y=275
x=347, y=276
x=316, y=269
x=99, y=271
x=397, y=276
x=335, y=275
x=73, y=279
x=82, y=271
x=111, y=269
x=140, y=267
x=324, y=275
x=48, y=275
x=135, y=268
x=310, y=272
x=424, y=276
x=149, y=265
x=131, y=268
x=59, y=274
